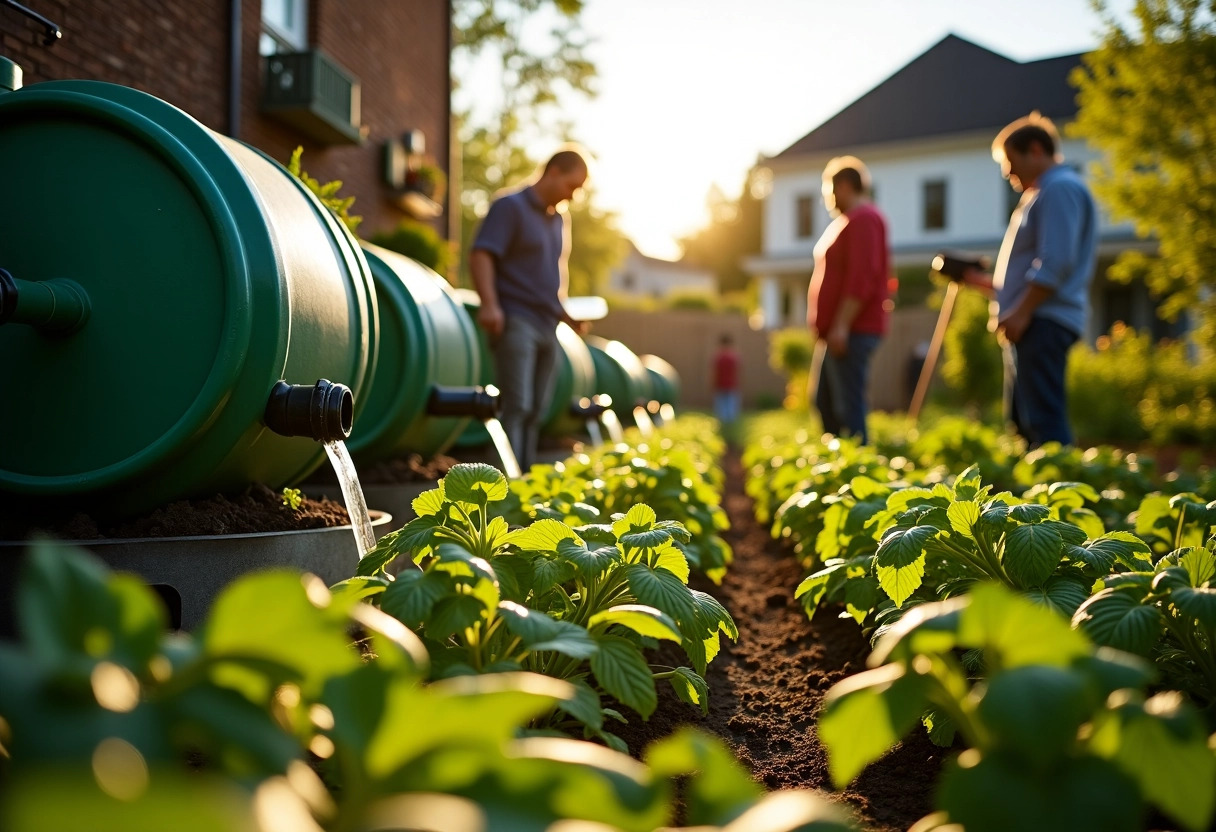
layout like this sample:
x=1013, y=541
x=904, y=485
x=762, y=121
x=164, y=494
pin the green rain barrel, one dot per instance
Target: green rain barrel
x=207, y=273
x=664, y=380
x=575, y=378
x=426, y=338
x=620, y=374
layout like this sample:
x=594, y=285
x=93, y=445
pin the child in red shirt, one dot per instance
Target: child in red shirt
x=726, y=382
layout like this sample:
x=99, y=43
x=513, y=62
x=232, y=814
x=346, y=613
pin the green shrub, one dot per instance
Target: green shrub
x=790, y=352
x=971, y=366
x=418, y=242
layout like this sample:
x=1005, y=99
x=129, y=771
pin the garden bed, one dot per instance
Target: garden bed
x=767, y=689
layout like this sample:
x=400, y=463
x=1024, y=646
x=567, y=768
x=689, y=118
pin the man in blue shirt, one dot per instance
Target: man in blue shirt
x=1041, y=280
x=518, y=263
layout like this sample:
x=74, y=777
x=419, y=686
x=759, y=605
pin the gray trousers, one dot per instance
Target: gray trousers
x=525, y=358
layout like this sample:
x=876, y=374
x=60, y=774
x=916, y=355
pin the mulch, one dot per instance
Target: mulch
x=767, y=690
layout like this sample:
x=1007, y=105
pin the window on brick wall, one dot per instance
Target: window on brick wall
x=934, y=208
x=805, y=217
x=284, y=26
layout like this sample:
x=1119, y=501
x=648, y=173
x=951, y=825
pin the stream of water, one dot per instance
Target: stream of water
x=510, y=465
x=356, y=506
x=593, y=430
x=642, y=417
x=613, y=425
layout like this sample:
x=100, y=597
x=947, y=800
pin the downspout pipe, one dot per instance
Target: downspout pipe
x=234, y=68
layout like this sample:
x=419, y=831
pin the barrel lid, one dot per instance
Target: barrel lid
x=138, y=203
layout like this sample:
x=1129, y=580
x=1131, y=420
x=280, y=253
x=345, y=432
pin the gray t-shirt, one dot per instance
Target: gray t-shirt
x=1051, y=241
x=528, y=244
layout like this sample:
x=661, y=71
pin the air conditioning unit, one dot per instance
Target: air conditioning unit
x=309, y=91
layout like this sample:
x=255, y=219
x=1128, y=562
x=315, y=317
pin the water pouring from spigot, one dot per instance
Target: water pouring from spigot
x=642, y=418
x=480, y=403
x=590, y=410
x=325, y=412
x=610, y=421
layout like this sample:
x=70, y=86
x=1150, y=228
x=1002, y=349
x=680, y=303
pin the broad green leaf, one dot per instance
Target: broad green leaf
x=867, y=714
x=475, y=483
x=675, y=529
x=584, y=705
x=690, y=688
x=643, y=620
x=1072, y=535
x=816, y=585
x=864, y=488
x=940, y=727
x=860, y=596
x=712, y=615
x=549, y=572
x=541, y=536
x=900, y=500
x=1036, y=711
x=1075, y=494
x=1032, y=553
x=1060, y=594
x=452, y=615
x=1029, y=513
x=415, y=538
x=622, y=672
x=1200, y=565
x=457, y=560
x=999, y=791
x=646, y=539
x=539, y=631
x=674, y=561
x=718, y=787
x=1014, y=631
x=429, y=502
x=1194, y=603
x=412, y=596
x=1153, y=509
x=900, y=561
x=660, y=588
x=591, y=563
x=596, y=533
x=963, y=515
x=1118, y=619
x=356, y=589
x=379, y=556
x=639, y=518
x=1175, y=769
x=496, y=534
x=924, y=629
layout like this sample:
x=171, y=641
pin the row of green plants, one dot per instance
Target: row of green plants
x=441, y=697
x=1064, y=634
x=274, y=718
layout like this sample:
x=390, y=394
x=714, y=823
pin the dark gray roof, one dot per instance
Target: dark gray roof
x=954, y=87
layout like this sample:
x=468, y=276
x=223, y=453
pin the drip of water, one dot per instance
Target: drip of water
x=643, y=421
x=356, y=506
x=613, y=425
x=510, y=465
x=593, y=430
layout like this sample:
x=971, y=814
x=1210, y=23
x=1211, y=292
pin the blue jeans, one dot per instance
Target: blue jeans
x=841, y=397
x=525, y=360
x=726, y=406
x=1035, y=397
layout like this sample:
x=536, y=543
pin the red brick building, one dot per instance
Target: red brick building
x=378, y=72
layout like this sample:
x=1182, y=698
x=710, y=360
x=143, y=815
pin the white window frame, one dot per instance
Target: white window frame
x=292, y=38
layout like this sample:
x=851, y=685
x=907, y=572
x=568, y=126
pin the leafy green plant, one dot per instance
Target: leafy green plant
x=417, y=241
x=1059, y=736
x=327, y=193
x=578, y=603
x=1166, y=612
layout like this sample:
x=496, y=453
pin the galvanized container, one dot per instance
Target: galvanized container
x=203, y=273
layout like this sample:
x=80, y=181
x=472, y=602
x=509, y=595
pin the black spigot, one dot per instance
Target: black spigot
x=323, y=411
x=477, y=402
x=50, y=33
x=592, y=408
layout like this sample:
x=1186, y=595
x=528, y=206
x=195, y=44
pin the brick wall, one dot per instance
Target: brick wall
x=179, y=51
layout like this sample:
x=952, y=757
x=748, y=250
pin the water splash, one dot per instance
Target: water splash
x=593, y=430
x=613, y=425
x=356, y=505
x=510, y=465
x=642, y=417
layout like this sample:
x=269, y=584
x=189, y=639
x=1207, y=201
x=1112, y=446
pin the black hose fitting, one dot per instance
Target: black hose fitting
x=323, y=411
x=476, y=402
x=592, y=408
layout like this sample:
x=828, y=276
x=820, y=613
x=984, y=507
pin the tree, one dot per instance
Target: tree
x=733, y=232
x=536, y=49
x=1148, y=102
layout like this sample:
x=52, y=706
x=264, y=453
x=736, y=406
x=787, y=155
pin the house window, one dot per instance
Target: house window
x=284, y=26
x=806, y=217
x=935, y=205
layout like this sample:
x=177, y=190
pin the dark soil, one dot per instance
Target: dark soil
x=766, y=690
x=258, y=509
x=403, y=469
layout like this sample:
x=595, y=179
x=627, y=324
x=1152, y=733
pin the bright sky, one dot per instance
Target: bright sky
x=692, y=91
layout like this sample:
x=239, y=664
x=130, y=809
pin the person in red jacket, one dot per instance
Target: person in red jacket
x=726, y=381
x=847, y=301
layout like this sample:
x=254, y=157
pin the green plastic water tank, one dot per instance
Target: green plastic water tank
x=620, y=374
x=207, y=274
x=426, y=338
x=664, y=379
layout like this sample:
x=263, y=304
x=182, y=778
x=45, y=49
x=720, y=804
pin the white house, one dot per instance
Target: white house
x=641, y=276
x=926, y=133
